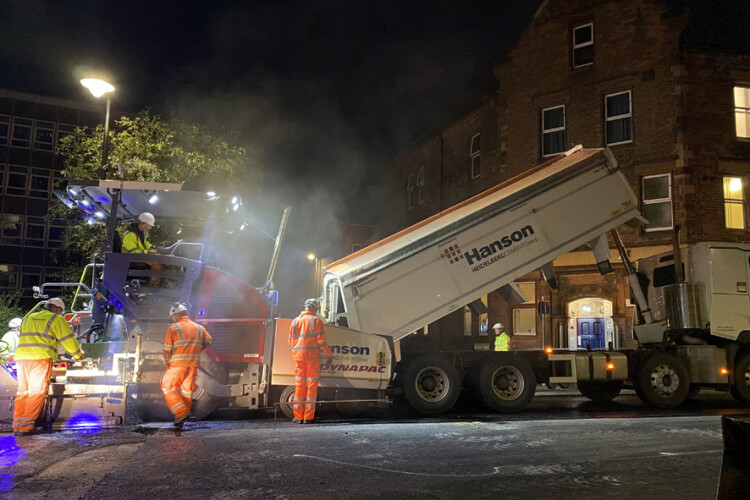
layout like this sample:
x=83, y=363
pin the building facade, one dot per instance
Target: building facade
x=664, y=84
x=31, y=242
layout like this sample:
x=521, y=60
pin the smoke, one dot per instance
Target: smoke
x=321, y=93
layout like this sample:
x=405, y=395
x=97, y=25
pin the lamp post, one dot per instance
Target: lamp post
x=99, y=88
x=311, y=257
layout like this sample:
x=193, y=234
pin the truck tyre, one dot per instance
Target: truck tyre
x=285, y=401
x=601, y=391
x=431, y=384
x=506, y=383
x=662, y=381
x=741, y=388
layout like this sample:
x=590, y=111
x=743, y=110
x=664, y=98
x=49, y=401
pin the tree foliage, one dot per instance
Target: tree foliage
x=147, y=148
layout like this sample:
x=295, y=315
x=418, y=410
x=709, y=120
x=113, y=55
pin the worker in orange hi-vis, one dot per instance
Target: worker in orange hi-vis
x=307, y=339
x=183, y=344
x=42, y=333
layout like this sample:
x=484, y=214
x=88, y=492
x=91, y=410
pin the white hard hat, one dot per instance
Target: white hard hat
x=15, y=323
x=497, y=325
x=57, y=302
x=177, y=308
x=312, y=303
x=147, y=218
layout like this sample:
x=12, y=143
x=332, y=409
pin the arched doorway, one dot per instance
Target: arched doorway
x=590, y=323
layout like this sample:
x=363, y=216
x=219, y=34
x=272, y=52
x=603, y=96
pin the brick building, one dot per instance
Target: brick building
x=664, y=84
x=31, y=244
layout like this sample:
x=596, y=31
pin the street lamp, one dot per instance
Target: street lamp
x=99, y=88
x=311, y=257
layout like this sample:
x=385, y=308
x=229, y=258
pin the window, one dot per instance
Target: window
x=39, y=187
x=44, y=133
x=2, y=178
x=474, y=156
x=9, y=275
x=17, y=179
x=742, y=111
x=11, y=229
x=64, y=130
x=420, y=185
x=35, y=229
x=583, y=45
x=476, y=313
x=553, y=130
x=4, y=127
x=56, y=234
x=21, y=132
x=524, y=315
x=734, y=203
x=411, y=193
x=657, y=201
x=54, y=274
x=619, y=118
x=31, y=276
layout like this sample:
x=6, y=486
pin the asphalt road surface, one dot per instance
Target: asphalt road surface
x=562, y=447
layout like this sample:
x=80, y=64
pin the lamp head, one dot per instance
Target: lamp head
x=97, y=87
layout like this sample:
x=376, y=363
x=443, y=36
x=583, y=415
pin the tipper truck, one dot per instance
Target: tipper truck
x=693, y=332
x=376, y=297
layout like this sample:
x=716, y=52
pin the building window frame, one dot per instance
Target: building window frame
x=12, y=272
x=625, y=118
x=4, y=129
x=12, y=229
x=22, y=132
x=580, y=48
x=657, y=200
x=17, y=172
x=742, y=112
x=734, y=202
x=475, y=155
x=44, y=135
x=549, y=131
x=411, y=191
x=525, y=313
x=37, y=177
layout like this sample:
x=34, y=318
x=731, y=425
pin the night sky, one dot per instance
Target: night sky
x=328, y=90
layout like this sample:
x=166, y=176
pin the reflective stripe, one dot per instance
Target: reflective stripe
x=44, y=346
x=305, y=335
x=68, y=337
x=40, y=335
x=304, y=348
x=178, y=357
x=187, y=342
x=179, y=331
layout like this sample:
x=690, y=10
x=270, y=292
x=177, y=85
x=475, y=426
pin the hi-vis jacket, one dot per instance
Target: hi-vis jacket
x=502, y=342
x=307, y=337
x=134, y=241
x=184, y=342
x=42, y=333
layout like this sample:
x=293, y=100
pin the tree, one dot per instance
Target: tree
x=147, y=148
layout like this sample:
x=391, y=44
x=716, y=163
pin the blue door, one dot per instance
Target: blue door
x=591, y=333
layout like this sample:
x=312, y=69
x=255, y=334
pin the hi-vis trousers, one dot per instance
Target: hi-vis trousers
x=33, y=384
x=306, y=375
x=178, y=385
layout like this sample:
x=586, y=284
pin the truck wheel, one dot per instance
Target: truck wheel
x=506, y=383
x=741, y=387
x=663, y=381
x=285, y=401
x=431, y=384
x=602, y=391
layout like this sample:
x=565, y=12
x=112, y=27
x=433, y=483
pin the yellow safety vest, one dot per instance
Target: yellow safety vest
x=42, y=333
x=131, y=243
x=502, y=342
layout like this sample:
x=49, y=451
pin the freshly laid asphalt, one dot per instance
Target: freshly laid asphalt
x=609, y=454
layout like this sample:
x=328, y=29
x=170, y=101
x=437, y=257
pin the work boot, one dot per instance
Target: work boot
x=296, y=421
x=179, y=425
x=315, y=420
